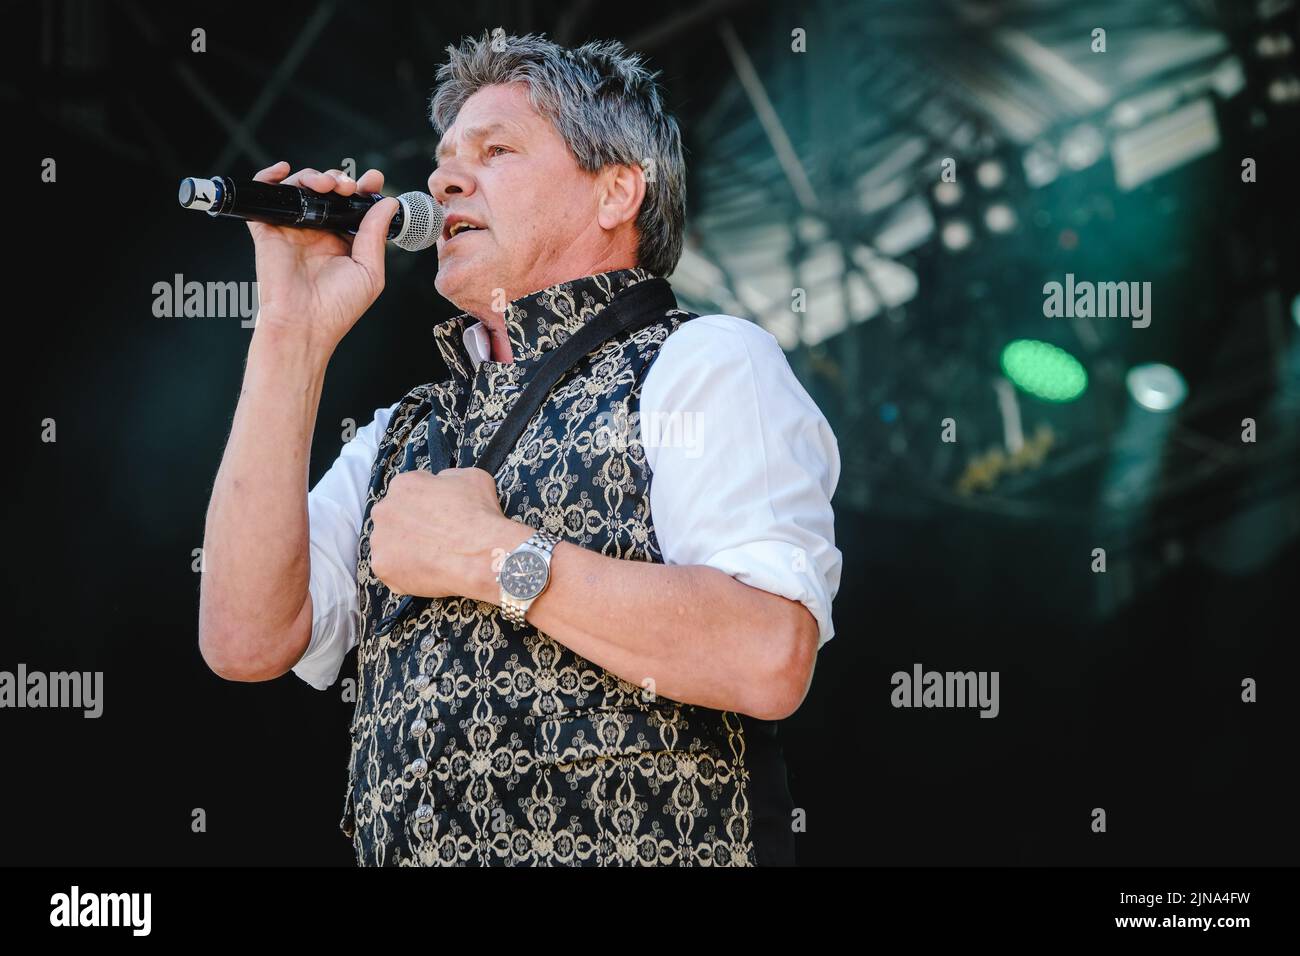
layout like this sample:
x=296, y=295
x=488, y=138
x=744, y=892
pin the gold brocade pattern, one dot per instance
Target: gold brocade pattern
x=475, y=742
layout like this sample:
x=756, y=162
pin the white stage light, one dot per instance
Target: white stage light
x=1156, y=387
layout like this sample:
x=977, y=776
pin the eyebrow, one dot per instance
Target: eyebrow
x=475, y=133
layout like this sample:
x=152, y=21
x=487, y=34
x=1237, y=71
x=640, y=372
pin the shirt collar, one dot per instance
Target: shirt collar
x=535, y=323
x=477, y=342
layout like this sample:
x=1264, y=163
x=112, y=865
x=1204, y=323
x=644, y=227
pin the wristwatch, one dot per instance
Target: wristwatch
x=524, y=574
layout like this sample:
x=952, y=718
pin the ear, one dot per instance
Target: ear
x=619, y=192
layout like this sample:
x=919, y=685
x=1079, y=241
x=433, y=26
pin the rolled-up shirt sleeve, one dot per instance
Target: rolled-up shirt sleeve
x=334, y=511
x=743, y=463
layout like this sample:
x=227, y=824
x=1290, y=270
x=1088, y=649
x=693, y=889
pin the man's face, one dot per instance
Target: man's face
x=504, y=168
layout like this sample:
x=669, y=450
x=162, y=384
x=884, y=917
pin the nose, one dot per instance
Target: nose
x=450, y=180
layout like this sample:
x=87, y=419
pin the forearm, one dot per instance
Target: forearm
x=700, y=635
x=254, y=609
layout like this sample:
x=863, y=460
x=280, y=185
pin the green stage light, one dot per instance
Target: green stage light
x=1043, y=370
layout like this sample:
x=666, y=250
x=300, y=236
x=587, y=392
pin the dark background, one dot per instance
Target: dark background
x=1118, y=690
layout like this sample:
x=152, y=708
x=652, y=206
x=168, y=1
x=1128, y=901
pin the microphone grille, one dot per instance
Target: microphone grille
x=422, y=219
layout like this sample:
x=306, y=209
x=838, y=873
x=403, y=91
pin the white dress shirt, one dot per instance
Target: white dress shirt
x=743, y=466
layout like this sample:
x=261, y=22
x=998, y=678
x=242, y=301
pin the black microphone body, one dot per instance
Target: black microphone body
x=416, y=225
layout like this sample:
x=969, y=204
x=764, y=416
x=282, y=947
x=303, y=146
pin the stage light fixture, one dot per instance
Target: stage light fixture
x=1044, y=370
x=1082, y=147
x=1000, y=218
x=956, y=234
x=990, y=174
x=1156, y=386
x=947, y=194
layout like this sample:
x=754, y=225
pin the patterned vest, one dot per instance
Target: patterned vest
x=475, y=742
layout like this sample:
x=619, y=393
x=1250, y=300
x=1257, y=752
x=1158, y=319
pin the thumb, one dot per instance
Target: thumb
x=368, y=243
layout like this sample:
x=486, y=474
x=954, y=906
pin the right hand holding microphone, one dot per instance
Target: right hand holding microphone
x=315, y=284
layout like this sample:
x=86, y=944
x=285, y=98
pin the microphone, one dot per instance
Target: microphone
x=415, y=226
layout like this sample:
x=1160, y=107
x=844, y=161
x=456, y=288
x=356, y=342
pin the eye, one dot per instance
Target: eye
x=495, y=146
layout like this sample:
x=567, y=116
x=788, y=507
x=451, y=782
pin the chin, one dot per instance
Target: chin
x=456, y=284
x=449, y=282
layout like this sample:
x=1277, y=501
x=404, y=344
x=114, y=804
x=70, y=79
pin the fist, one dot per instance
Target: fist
x=433, y=535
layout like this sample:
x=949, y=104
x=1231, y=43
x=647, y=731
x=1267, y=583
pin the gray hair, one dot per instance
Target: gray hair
x=603, y=103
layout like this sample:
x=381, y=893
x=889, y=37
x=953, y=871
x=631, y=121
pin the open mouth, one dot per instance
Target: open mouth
x=461, y=227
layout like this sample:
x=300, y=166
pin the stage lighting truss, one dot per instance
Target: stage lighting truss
x=828, y=179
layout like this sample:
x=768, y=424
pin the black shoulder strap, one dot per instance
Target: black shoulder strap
x=633, y=308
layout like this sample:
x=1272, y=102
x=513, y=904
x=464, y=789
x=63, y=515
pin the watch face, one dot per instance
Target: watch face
x=523, y=575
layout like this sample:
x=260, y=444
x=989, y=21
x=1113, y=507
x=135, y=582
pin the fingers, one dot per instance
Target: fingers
x=371, y=253
x=344, y=184
x=313, y=179
x=371, y=181
x=310, y=178
x=273, y=173
x=368, y=243
x=332, y=180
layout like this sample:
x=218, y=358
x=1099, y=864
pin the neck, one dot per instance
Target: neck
x=610, y=260
x=499, y=341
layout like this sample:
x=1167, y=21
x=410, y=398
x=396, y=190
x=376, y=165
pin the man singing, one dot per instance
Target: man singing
x=577, y=654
